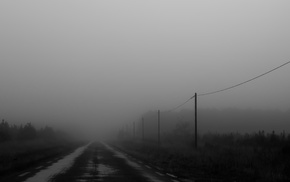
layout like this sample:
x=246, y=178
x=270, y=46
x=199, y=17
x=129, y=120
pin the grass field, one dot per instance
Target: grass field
x=219, y=157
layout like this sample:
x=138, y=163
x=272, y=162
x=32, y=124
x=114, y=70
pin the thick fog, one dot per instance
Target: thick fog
x=91, y=66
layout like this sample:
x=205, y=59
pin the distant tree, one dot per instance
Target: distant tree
x=121, y=134
x=182, y=129
x=14, y=131
x=46, y=133
x=28, y=132
x=181, y=133
x=60, y=134
x=4, y=131
x=274, y=138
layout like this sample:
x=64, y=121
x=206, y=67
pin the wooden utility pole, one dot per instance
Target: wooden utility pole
x=133, y=129
x=127, y=131
x=142, y=129
x=195, y=118
x=158, y=128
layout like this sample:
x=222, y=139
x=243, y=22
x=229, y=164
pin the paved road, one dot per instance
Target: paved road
x=101, y=162
x=95, y=162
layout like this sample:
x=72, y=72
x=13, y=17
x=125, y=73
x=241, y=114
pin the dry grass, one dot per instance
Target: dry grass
x=220, y=157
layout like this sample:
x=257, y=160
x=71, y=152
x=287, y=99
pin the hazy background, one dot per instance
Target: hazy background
x=92, y=65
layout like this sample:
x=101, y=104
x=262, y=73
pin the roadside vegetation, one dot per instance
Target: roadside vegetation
x=23, y=146
x=257, y=156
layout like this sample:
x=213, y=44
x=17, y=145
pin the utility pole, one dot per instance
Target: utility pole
x=158, y=129
x=195, y=118
x=133, y=129
x=127, y=131
x=142, y=129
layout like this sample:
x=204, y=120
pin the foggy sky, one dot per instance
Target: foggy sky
x=99, y=63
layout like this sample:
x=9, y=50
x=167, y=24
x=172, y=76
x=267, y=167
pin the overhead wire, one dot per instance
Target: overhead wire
x=231, y=87
x=228, y=88
x=181, y=104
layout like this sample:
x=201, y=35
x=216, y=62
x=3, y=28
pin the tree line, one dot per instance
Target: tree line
x=26, y=132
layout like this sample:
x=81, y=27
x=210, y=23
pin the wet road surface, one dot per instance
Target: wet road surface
x=94, y=162
x=101, y=162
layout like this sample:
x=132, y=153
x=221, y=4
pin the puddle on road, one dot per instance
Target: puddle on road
x=152, y=178
x=105, y=170
x=123, y=156
x=90, y=172
x=59, y=167
x=133, y=164
x=96, y=171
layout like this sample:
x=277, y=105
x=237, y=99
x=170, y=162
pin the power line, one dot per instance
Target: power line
x=181, y=104
x=221, y=90
x=228, y=88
